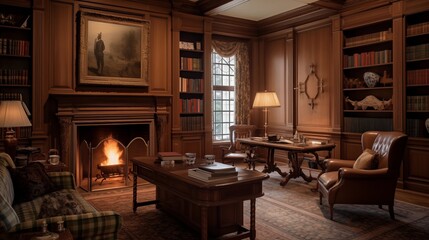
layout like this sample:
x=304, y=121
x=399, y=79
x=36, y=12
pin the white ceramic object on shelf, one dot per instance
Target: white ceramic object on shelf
x=427, y=124
x=371, y=79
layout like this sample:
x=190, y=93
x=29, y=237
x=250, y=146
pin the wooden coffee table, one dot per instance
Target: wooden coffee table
x=215, y=209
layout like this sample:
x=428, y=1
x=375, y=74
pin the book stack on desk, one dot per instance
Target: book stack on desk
x=170, y=157
x=217, y=172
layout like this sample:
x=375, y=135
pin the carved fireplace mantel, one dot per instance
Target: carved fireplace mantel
x=74, y=109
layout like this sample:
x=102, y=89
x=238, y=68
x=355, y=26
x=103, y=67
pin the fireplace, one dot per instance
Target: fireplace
x=105, y=151
x=137, y=123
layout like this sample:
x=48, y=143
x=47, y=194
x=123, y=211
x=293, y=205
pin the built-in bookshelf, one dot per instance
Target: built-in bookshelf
x=417, y=74
x=367, y=49
x=16, y=60
x=191, y=81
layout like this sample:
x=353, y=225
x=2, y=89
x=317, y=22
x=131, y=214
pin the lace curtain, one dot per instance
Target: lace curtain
x=242, y=76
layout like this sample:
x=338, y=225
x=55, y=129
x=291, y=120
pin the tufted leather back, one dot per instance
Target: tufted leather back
x=390, y=147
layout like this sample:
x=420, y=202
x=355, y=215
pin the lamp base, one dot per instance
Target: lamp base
x=10, y=143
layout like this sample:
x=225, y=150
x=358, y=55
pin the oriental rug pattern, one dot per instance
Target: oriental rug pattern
x=289, y=212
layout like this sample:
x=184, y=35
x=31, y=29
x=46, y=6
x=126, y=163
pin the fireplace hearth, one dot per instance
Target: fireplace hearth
x=107, y=165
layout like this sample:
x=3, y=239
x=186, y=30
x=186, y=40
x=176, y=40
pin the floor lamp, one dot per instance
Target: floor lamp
x=12, y=114
x=266, y=100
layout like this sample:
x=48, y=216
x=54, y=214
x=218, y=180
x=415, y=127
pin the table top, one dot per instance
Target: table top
x=283, y=145
x=176, y=180
x=180, y=171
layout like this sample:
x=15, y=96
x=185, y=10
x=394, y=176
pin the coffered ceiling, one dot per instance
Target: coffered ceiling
x=257, y=10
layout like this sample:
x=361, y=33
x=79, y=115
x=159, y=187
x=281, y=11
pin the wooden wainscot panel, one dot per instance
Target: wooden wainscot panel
x=189, y=142
x=367, y=17
x=61, y=45
x=351, y=146
x=314, y=77
x=275, y=57
x=160, y=55
x=416, y=166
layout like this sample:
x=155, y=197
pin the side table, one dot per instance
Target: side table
x=55, y=168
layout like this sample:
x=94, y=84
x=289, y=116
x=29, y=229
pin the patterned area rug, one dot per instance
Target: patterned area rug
x=289, y=212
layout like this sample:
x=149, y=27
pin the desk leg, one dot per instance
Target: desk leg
x=204, y=222
x=134, y=192
x=271, y=166
x=252, y=219
x=295, y=170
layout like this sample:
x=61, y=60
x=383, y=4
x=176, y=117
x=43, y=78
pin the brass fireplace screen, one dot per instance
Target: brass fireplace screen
x=107, y=165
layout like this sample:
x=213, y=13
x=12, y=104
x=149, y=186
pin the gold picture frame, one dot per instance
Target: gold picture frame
x=113, y=50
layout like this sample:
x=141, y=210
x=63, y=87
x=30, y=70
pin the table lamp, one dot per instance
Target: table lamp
x=266, y=100
x=12, y=114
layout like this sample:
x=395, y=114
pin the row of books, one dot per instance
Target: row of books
x=419, y=28
x=14, y=47
x=360, y=125
x=191, y=85
x=418, y=103
x=368, y=38
x=14, y=76
x=368, y=58
x=191, y=64
x=416, y=128
x=216, y=172
x=192, y=123
x=10, y=96
x=417, y=52
x=193, y=105
x=190, y=45
x=418, y=77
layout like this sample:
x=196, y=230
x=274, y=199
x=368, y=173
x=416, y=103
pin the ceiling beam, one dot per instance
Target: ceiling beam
x=329, y=4
x=213, y=7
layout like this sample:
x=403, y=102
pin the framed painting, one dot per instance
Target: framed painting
x=113, y=50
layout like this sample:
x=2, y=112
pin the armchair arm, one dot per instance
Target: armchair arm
x=335, y=164
x=351, y=173
x=82, y=226
x=63, y=180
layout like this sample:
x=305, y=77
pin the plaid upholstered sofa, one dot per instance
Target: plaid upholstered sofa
x=26, y=216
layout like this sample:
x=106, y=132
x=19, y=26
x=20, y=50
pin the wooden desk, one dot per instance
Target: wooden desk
x=214, y=209
x=293, y=151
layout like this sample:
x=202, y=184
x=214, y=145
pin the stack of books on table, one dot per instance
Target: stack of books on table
x=216, y=172
x=170, y=157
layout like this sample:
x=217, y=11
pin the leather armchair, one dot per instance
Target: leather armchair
x=343, y=184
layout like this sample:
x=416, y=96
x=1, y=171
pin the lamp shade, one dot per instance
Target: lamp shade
x=266, y=100
x=12, y=114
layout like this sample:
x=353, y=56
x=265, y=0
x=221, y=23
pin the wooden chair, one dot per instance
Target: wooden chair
x=235, y=152
x=370, y=179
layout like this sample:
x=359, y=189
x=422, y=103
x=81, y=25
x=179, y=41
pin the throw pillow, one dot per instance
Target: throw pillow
x=30, y=182
x=367, y=160
x=60, y=203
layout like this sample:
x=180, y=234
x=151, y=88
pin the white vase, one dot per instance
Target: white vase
x=427, y=124
x=371, y=79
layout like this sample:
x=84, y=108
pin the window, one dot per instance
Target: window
x=223, y=84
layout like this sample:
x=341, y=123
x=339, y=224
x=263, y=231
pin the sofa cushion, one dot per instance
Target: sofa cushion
x=60, y=203
x=30, y=182
x=328, y=179
x=366, y=161
x=30, y=211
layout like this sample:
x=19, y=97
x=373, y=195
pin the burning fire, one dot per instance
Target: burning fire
x=112, y=152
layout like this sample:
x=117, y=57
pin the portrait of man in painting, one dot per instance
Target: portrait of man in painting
x=113, y=50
